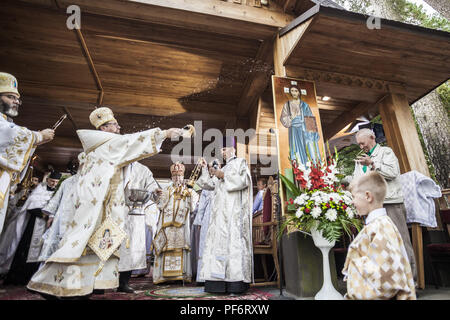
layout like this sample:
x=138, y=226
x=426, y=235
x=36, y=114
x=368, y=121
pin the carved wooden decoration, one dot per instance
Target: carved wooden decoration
x=257, y=3
x=343, y=79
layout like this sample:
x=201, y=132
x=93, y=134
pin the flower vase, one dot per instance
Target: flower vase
x=327, y=292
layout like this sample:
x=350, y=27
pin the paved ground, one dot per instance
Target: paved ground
x=144, y=286
x=429, y=293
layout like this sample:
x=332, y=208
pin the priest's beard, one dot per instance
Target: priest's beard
x=178, y=180
x=50, y=188
x=8, y=109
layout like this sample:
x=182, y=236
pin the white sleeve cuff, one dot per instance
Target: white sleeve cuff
x=38, y=137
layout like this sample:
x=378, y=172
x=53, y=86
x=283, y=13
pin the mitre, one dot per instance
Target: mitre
x=8, y=83
x=101, y=116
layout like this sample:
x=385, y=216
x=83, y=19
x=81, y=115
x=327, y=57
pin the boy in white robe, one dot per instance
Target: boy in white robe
x=377, y=266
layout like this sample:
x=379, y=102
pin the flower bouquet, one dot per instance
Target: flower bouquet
x=319, y=202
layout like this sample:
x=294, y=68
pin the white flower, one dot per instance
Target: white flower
x=299, y=213
x=336, y=197
x=316, y=212
x=300, y=200
x=316, y=197
x=331, y=214
x=350, y=212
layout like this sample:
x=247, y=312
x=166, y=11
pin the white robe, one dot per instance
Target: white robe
x=60, y=208
x=202, y=219
x=228, y=252
x=173, y=261
x=17, y=145
x=133, y=252
x=74, y=269
x=13, y=232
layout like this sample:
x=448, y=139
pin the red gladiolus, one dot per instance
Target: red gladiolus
x=307, y=210
x=291, y=201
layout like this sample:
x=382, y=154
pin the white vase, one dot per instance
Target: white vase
x=327, y=292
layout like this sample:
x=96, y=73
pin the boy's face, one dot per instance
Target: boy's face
x=361, y=201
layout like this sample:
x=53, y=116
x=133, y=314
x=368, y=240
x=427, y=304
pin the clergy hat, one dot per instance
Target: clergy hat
x=229, y=141
x=100, y=116
x=55, y=175
x=8, y=83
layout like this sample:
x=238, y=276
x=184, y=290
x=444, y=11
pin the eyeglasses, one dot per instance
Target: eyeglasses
x=12, y=97
x=115, y=124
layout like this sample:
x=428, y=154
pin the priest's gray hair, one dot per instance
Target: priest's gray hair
x=365, y=132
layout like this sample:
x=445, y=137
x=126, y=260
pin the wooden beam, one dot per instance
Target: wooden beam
x=403, y=138
x=213, y=16
x=256, y=83
x=401, y=133
x=91, y=64
x=290, y=41
x=346, y=118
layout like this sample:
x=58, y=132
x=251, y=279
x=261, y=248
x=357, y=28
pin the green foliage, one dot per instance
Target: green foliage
x=415, y=14
x=360, y=6
x=346, y=163
x=291, y=187
x=444, y=95
x=408, y=12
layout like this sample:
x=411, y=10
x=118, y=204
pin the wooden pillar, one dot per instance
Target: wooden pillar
x=403, y=138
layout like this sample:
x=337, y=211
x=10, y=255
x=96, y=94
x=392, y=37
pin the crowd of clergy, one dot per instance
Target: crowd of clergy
x=74, y=234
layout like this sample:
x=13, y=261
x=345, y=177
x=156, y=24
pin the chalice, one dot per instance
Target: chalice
x=135, y=199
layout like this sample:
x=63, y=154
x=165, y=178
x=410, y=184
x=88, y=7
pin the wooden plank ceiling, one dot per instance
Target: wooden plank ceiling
x=151, y=75
x=356, y=66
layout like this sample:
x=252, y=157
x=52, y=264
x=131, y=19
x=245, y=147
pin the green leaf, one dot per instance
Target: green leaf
x=290, y=186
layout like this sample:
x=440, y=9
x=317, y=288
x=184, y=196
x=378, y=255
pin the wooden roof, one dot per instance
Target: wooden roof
x=151, y=74
x=349, y=61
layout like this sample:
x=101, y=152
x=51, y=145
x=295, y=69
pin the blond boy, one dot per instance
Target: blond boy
x=377, y=266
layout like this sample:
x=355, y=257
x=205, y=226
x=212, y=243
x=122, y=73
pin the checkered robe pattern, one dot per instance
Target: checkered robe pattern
x=377, y=267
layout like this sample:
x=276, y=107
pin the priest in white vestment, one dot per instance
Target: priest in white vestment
x=82, y=264
x=172, y=243
x=203, y=217
x=227, y=259
x=17, y=144
x=59, y=209
x=135, y=176
x=22, y=238
x=133, y=255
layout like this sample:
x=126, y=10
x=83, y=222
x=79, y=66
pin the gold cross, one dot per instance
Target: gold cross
x=141, y=138
x=94, y=201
